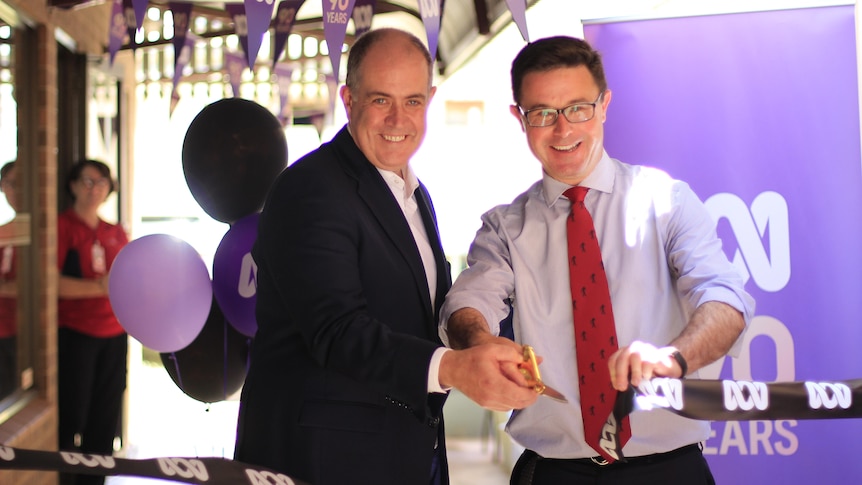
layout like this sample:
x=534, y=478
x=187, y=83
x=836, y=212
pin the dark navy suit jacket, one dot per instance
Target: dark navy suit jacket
x=337, y=386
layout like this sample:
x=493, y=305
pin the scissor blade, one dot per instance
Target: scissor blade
x=554, y=394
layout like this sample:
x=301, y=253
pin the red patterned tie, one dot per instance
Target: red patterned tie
x=595, y=334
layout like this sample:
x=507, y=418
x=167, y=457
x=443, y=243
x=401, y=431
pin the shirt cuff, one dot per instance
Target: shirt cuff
x=434, y=372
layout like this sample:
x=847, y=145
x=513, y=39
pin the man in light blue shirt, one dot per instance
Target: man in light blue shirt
x=678, y=303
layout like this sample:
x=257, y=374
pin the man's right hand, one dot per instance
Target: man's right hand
x=488, y=374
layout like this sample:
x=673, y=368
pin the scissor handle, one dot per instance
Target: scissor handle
x=530, y=358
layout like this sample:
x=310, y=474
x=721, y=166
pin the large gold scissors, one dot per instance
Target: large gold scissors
x=532, y=374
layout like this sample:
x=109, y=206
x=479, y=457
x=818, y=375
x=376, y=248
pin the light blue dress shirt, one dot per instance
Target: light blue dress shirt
x=662, y=257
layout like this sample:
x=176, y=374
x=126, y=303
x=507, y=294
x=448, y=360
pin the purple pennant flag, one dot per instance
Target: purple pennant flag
x=258, y=15
x=117, y=31
x=363, y=12
x=140, y=8
x=183, y=56
x=283, y=75
x=336, y=14
x=131, y=22
x=285, y=16
x=234, y=64
x=182, y=13
x=240, y=22
x=519, y=15
x=429, y=10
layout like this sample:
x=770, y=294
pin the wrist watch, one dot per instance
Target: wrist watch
x=677, y=356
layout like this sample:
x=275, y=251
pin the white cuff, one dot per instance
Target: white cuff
x=434, y=372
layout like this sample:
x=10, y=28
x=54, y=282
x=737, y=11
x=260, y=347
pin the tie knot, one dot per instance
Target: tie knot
x=576, y=193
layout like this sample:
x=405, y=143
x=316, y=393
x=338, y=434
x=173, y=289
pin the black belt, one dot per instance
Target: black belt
x=599, y=461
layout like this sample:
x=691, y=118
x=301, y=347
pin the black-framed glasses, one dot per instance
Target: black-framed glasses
x=575, y=113
x=90, y=183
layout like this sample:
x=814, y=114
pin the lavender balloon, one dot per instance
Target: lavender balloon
x=160, y=291
x=235, y=275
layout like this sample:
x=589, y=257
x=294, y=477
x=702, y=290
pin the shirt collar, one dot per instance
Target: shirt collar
x=409, y=183
x=601, y=179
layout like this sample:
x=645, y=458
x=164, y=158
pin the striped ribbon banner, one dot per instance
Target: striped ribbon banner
x=210, y=471
x=729, y=400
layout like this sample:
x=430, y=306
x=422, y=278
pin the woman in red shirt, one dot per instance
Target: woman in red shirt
x=92, y=345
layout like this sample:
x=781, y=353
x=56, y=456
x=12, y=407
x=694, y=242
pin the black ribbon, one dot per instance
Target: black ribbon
x=729, y=400
x=210, y=471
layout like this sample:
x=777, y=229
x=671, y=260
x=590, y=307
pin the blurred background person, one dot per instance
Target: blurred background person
x=92, y=345
x=8, y=286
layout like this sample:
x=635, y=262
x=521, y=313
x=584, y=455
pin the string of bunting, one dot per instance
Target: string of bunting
x=735, y=400
x=210, y=471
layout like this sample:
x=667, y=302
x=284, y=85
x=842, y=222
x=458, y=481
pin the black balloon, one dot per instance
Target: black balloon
x=232, y=152
x=214, y=365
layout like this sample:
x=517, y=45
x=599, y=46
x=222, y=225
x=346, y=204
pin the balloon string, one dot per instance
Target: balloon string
x=224, y=359
x=177, y=367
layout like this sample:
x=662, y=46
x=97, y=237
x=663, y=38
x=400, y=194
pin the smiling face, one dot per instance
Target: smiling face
x=568, y=151
x=387, y=107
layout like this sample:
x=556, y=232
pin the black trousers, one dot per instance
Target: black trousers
x=91, y=381
x=684, y=466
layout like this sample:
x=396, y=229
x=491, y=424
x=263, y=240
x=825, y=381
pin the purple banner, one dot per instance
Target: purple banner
x=285, y=16
x=363, y=14
x=129, y=9
x=429, y=10
x=744, y=118
x=182, y=13
x=336, y=14
x=259, y=15
x=283, y=75
x=518, y=8
x=117, y=30
x=240, y=23
x=234, y=65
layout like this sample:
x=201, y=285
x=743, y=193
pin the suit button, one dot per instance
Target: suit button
x=433, y=422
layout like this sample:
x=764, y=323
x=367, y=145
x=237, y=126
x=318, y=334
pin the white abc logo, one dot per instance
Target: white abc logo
x=247, y=284
x=664, y=391
x=828, y=395
x=745, y=395
x=608, y=440
x=768, y=211
x=265, y=477
x=184, y=468
x=362, y=17
x=6, y=453
x=91, y=461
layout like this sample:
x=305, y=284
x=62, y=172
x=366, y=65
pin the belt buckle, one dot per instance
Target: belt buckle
x=599, y=460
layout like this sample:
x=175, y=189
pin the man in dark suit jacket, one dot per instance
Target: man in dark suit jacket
x=348, y=376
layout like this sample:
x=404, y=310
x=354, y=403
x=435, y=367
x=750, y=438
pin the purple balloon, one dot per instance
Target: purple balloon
x=161, y=292
x=235, y=275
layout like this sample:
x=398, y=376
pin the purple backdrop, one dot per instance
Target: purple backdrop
x=759, y=112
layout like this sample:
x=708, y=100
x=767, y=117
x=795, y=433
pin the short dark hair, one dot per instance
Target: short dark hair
x=78, y=167
x=6, y=168
x=553, y=53
x=366, y=41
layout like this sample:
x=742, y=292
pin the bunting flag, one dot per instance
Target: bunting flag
x=234, y=64
x=336, y=14
x=285, y=17
x=518, y=8
x=182, y=13
x=429, y=10
x=283, y=75
x=258, y=17
x=240, y=22
x=117, y=30
x=131, y=22
x=183, y=57
x=363, y=13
